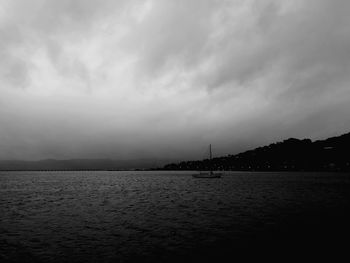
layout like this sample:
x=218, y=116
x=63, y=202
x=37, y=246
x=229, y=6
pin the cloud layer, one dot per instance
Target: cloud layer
x=163, y=78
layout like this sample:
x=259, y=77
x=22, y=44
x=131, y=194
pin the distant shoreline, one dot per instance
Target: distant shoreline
x=327, y=155
x=291, y=155
x=77, y=170
x=161, y=170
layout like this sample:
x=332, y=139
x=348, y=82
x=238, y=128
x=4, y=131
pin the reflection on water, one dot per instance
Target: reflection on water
x=163, y=216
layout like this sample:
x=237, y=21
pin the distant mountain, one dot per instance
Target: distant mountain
x=82, y=164
x=332, y=154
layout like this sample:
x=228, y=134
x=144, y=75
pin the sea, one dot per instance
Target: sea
x=164, y=216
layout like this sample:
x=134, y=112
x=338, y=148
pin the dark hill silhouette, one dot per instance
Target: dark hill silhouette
x=290, y=155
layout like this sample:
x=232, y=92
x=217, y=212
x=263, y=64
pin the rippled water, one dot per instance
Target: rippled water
x=163, y=216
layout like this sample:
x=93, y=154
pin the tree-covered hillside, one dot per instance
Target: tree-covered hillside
x=332, y=154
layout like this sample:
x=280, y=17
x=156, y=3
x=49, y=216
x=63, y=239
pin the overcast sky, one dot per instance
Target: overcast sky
x=164, y=78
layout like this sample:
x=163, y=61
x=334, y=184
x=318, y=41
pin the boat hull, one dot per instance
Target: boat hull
x=201, y=175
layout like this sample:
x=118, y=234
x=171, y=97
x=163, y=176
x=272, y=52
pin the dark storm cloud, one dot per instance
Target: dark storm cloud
x=164, y=78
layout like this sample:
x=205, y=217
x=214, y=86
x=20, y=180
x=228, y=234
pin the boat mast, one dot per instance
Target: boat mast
x=210, y=161
x=210, y=154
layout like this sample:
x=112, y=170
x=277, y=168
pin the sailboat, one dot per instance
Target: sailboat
x=210, y=173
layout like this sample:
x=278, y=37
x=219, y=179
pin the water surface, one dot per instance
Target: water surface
x=165, y=216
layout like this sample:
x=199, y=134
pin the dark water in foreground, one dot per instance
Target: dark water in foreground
x=170, y=216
